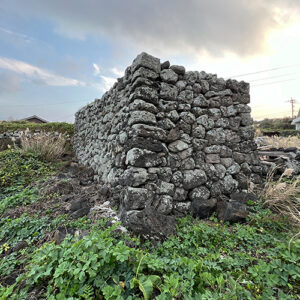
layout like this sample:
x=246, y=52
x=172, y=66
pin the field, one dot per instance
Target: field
x=207, y=259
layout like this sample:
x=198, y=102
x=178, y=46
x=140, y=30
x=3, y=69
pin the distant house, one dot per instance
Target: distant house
x=297, y=121
x=35, y=119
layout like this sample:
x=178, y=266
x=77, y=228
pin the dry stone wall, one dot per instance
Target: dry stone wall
x=169, y=139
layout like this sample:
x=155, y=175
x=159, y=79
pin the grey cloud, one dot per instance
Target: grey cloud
x=9, y=82
x=179, y=26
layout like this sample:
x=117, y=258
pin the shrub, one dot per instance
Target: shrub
x=48, y=145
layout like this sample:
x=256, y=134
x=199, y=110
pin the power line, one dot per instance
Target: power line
x=272, y=82
x=266, y=70
x=264, y=78
x=46, y=104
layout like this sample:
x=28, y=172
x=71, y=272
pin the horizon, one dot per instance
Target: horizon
x=57, y=56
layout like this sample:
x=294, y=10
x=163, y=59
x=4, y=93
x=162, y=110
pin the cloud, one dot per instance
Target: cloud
x=117, y=72
x=96, y=69
x=107, y=83
x=176, y=26
x=16, y=35
x=36, y=74
x=9, y=82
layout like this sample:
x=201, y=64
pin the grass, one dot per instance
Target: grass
x=207, y=259
x=47, y=145
x=282, y=195
x=282, y=142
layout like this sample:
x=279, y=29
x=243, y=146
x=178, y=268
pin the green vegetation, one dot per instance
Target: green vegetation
x=281, y=125
x=18, y=169
x=61, y=127
x=275, y=124
x=207, y=259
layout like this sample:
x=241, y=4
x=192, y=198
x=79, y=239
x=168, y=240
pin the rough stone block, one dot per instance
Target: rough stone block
x=147, y=61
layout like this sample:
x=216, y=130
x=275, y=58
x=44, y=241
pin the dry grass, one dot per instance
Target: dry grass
x=48, y=145
x=282, y=142
x=282, y=196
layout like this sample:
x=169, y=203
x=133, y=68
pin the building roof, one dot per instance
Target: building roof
x=297, y=120
x=34, y=117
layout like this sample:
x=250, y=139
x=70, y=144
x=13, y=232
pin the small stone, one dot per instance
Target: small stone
x=180, y=194
x=213, y=149
x=145, y=73
x=187, y=117
x=220, y=171
x=145, y=93
x=142, y=158
x=138, y=104
x=166, y=188
x=150, y=131
x=206, y=122
x=199, y=194
x=165, y=206
x=168, y=92
x=213, y=158
x=226, y=162
x=136, y=198
x=169, y=76
x=178, y=146
x=201, y=101
x=233, y=169
x=165, y=65
x=216, y=136
x=134, y=177
x=193, y=178
x=173, y=135
x=182, y=207
x=199, y=132
x=177, y=178
x=180, y=70
x=181, y=84
x=144, y=117
x=188, y=164
x=229, y=184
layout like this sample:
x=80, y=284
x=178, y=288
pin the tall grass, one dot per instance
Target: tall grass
x=48, y=145
x=282, y=142
x=283, y=195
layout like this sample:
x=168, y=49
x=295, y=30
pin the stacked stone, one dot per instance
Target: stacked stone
x=169, y=139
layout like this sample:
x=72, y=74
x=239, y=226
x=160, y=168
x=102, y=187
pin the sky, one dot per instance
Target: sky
x=58, y=55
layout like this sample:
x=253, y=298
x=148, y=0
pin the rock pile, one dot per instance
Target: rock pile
x=168, y=139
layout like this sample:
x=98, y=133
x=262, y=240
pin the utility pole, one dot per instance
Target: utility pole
x=292, y=101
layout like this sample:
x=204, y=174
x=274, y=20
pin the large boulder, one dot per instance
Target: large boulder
x=149, y=223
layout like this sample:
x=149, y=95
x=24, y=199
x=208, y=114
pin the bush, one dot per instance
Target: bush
x=47, y=145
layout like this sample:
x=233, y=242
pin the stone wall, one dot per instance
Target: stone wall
x=169, y=139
